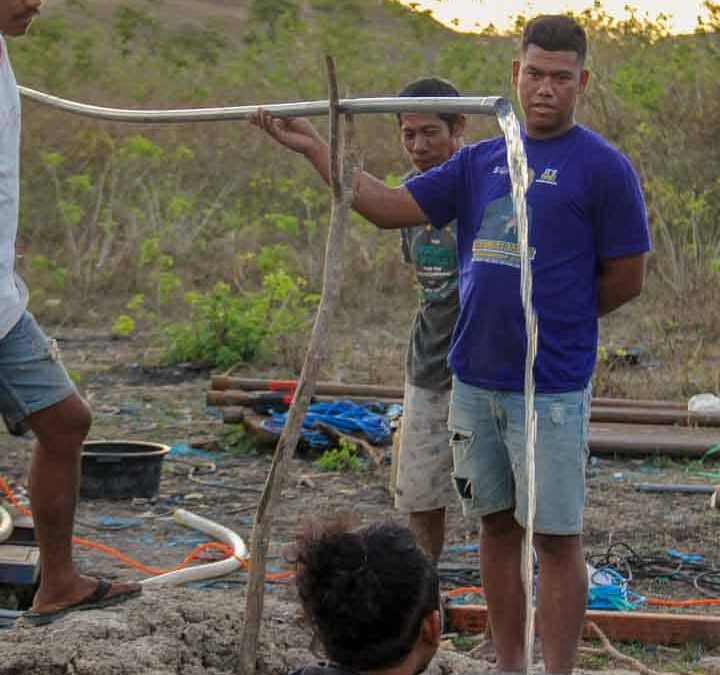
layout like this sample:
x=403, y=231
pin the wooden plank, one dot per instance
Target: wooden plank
x=645, y=627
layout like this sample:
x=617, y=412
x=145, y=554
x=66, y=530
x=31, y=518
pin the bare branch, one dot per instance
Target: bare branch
x=316, y=354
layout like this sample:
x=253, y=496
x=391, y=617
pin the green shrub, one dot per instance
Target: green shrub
x=343, y=458
x=123, y=325
x=227, y=328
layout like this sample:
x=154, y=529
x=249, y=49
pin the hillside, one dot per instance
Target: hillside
x=232, y=15
x=191, y=232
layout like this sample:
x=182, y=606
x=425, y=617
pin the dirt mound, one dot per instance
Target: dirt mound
x=171, y=632
x=178, y=632
x=164, y=632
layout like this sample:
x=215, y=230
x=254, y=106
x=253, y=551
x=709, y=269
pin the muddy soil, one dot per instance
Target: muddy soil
x=195, y=630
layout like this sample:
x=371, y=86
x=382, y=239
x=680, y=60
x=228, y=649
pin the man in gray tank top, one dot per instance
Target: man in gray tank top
x=424, y=486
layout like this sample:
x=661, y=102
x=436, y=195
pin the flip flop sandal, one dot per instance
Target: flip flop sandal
x=96, y=600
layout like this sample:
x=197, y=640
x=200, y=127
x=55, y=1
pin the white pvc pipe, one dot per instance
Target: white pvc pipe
x=209, y=570
x=483, y=105
x=6, y=524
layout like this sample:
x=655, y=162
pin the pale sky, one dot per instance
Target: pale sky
x=474, y=14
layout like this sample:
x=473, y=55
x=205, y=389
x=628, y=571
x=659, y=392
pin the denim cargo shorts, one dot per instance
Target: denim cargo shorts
x=32, y=376
x=489, y=455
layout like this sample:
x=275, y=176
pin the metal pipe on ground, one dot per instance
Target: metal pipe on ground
x=679, y=488
x=638, y=440
x=631, y=440
x=652, y=415
x=603, y=401
x=629, y=415
x=231, y=397
x=225, y=382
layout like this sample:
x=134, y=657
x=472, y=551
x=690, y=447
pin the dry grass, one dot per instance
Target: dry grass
x=680, y=335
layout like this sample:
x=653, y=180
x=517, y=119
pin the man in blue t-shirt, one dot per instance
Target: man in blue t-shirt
x=588, y=237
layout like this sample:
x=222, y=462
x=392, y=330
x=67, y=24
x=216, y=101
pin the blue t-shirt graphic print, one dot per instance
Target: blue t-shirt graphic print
x=497, y=239
x=584, y=205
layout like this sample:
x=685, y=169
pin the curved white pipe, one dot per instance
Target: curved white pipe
x=6, y=524
x=209, y=570
x=484, y=105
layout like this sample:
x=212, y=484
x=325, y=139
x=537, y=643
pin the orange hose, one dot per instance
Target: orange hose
x=462, y=590
x=698, y=602
x=11, y=498
x=278, y=576
x=131, y=562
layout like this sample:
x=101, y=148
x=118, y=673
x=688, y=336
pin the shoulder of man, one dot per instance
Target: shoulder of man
x=599, y=150
x=410, y=174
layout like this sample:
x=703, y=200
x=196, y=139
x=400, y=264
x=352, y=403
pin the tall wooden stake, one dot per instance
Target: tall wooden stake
x=343, y=160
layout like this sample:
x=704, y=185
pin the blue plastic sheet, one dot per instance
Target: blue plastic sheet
x=345, y=416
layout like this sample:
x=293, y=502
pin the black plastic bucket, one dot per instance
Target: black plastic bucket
x=121, y=469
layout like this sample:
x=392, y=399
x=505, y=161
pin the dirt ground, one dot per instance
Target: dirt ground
x=188, y=631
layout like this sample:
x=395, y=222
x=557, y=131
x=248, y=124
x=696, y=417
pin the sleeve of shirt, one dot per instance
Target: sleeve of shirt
x=435, y=191
x=621, y=226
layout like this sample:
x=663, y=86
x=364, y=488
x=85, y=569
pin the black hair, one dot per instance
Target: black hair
x=365, y=592
x=433, y=86
x=556, y=33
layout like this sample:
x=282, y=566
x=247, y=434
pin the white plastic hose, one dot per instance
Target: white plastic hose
x=6, y=524
x=209, y=570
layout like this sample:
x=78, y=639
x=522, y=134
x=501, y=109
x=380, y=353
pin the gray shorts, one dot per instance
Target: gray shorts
x=32, y=376
x=424, y=475
x=489, y=453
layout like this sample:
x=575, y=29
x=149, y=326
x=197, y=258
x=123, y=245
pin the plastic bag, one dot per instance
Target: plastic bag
x=704, y=403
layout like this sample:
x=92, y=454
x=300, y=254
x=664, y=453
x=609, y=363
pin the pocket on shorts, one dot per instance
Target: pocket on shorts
x=561, y=409
x=26, y=346
x=460, y=442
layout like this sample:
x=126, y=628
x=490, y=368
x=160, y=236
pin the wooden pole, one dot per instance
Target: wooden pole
x=342, y=162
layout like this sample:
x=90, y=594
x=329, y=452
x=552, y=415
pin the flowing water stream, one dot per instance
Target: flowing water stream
x=517, y=165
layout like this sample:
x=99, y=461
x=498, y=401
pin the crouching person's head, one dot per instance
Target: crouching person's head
x=371, y=596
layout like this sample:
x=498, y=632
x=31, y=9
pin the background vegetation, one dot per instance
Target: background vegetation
x=211, y=240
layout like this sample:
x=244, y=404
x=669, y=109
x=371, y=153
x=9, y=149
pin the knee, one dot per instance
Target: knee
x=557, y=547
x=500, y=524
x=80, y=421
x=66, y=421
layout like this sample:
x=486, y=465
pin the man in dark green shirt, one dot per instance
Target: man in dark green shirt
x=424, y=486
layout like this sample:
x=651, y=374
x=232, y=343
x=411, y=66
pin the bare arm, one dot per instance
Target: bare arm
x=382, y=205
x=620, y=280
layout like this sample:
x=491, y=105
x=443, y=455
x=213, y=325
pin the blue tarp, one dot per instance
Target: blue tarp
x=345, y=416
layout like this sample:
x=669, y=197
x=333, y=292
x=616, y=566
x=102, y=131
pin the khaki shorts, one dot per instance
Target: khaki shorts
x=424, y=476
